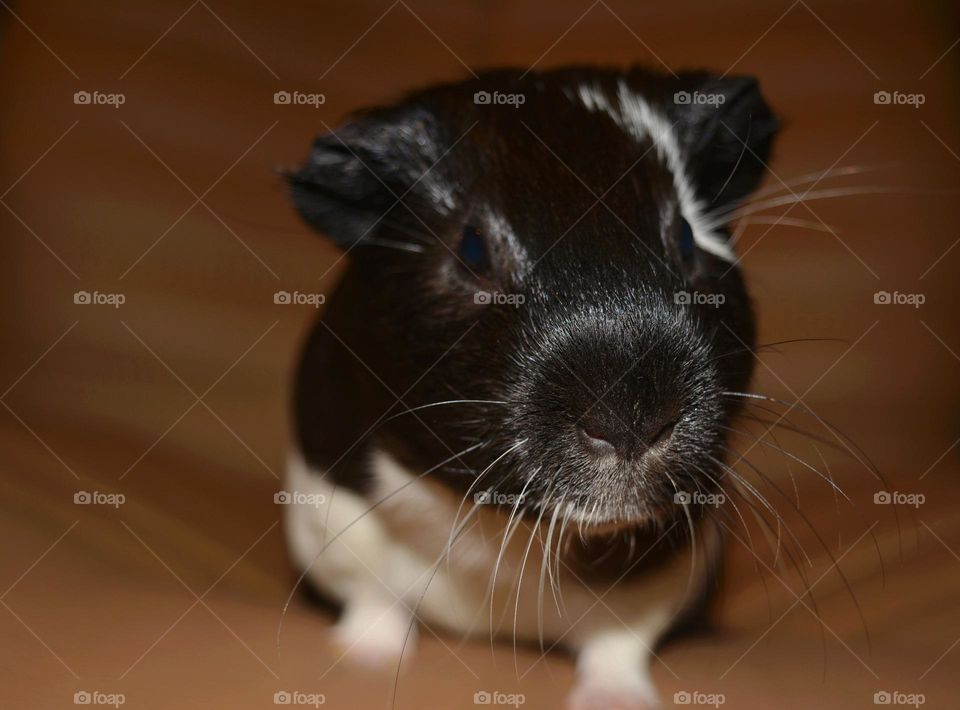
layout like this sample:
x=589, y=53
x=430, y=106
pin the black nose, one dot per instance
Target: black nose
x=618, y=438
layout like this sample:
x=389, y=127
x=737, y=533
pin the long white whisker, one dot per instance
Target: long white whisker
x=745, y=222
x=410, y=410
x=512, y=525
x=483, y=473
x=812, y=177
x=567, y=516
x=516, y=606
x=813, y=196
x=545, y=567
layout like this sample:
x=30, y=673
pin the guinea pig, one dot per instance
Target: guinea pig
x=513, y=409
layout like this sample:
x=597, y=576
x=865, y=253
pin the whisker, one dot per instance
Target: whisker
x=842, y=438
x=816, y=195
x=483, y=473
x=826, y=549
x=773, y=346
x=567, y=516
x=435, y=567
x=794, y=457
x=690, y=527
x=745, y=222
x=410, y=410
x=508, y=532
x=548, y=552
x=523, y=566
x=804, y=179
x=786, y=549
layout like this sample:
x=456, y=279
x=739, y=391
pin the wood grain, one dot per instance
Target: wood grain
x=113, y=405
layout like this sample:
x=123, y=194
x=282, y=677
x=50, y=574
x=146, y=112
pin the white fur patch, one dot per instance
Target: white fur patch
x=378, y=555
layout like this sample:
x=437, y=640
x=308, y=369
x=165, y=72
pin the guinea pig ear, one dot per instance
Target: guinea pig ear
x=726, y=131
x=356, y=173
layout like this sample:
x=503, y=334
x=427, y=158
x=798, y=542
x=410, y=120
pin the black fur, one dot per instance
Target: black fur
x=599, y=345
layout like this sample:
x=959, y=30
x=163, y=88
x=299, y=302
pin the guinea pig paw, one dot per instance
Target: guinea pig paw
x=597, y=696
x=374, y=639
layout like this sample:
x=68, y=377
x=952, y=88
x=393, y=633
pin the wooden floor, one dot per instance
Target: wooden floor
x=177, y=399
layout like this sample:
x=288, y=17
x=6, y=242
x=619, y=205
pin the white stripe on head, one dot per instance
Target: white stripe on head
x=643, y=122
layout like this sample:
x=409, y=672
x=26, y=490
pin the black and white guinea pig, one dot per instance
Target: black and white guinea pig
x=515, y=403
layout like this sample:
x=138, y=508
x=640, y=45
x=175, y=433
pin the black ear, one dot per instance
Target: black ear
x=726, y=131
x=356, y=173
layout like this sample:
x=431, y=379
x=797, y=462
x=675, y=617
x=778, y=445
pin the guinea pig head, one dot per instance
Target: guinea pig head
x=547, y=283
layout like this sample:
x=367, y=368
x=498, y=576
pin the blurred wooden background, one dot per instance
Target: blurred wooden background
x=177, y=399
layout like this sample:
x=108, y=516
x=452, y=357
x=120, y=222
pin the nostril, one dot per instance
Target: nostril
x=595, y=440
x=663, y=436
x=603, y=441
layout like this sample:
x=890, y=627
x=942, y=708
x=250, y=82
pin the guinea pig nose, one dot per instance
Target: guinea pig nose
x=606, y=438
x=595, y=441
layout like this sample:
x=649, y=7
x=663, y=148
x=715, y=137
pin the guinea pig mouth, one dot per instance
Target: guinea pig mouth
x=603, y=514
x=601, y=488
x=603, y=517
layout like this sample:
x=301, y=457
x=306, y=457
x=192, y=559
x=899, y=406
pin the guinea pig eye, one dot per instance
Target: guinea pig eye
x=687, y=244
x=472, y=250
